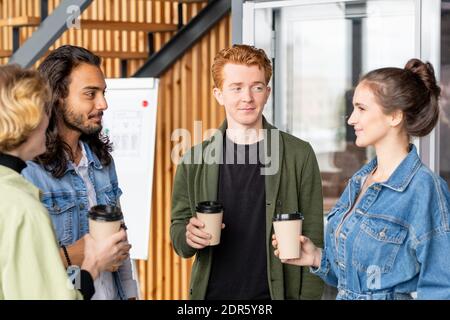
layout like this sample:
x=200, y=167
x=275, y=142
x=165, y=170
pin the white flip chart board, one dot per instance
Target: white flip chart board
x=130, y=123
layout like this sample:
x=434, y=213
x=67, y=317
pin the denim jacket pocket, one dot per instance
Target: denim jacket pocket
x=107, y=196
x=61, y=209
x=110, y=197
x=333, y=211
x=332, y=218
x=377, y=244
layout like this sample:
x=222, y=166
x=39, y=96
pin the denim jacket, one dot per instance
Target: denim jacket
x=66, y=200
x=397, y=239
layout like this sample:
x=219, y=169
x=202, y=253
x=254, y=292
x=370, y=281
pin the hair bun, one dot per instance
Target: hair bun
x=425, y=72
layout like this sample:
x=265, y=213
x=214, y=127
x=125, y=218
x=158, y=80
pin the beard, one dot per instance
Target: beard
x=77, y=122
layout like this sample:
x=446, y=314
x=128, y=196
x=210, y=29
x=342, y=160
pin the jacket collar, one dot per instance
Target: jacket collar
x=91, y=158
x=403, y=174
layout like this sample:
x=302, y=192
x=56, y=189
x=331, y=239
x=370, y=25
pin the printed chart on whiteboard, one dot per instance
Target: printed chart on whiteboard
x=130, y=123
x=127, y=133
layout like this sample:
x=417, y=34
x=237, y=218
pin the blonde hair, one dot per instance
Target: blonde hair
x=23, y=101
x=240, y=54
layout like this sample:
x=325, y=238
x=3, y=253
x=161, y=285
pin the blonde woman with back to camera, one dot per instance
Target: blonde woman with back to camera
x=30, y=264
x=389, y=234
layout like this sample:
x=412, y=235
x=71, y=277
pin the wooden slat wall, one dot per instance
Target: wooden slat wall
x=185, y=96
x=100, y=40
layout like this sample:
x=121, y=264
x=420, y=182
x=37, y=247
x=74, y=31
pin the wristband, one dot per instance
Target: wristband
x=66, y=254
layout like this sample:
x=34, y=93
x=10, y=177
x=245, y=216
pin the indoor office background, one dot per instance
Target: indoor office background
x=319, y=49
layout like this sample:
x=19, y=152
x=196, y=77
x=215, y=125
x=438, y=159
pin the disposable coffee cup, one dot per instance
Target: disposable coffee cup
x=288, y=227
x=104, y=221
x=211, y=214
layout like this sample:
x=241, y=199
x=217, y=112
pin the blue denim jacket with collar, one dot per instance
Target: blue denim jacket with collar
x=66, y=200
x=396, y=240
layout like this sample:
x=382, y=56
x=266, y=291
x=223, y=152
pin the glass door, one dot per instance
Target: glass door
x=444, y=132
x=320, y=49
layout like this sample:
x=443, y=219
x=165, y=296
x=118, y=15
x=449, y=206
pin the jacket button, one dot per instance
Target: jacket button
x=82, y=206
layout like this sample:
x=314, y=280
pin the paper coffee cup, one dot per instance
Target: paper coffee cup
x=211, y=214
x=104, y=221
x=288, y=226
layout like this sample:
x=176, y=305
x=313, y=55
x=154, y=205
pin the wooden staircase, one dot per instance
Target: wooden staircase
x=123, y=32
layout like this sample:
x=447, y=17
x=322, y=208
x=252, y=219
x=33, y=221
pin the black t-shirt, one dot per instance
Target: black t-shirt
x=239, y=268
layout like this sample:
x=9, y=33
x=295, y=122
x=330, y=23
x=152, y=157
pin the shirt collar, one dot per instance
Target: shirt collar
x=90, y=156
x=83, y=161
x=12, y=162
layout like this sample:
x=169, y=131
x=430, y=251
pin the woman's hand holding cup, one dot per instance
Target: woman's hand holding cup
x=310, y=254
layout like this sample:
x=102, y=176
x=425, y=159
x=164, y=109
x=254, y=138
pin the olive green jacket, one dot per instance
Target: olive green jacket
x=295, y=185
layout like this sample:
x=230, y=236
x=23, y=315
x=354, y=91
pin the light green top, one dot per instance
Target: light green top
x=30, y=264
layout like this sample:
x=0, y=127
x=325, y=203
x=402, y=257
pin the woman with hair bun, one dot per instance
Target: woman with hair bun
x=388, y=235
